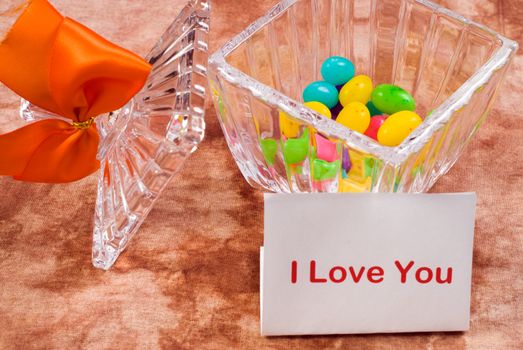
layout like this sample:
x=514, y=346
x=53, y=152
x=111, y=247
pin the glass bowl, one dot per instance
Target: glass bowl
x=452, y=66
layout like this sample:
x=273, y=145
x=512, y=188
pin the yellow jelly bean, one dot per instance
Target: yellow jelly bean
x=288, y=126
x=355, y=116
x=358, y=89
x=319, y=107
x=397, y=127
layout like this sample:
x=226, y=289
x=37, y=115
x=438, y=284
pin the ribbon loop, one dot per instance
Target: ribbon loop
x=65, y=68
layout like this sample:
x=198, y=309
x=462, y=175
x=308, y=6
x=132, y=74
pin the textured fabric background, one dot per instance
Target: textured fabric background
x=193, y=283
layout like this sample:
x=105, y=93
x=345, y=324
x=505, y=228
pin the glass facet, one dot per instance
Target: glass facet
x=452, y=66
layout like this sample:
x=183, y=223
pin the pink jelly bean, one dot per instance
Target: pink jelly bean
x=374, y=126
x=326, y=149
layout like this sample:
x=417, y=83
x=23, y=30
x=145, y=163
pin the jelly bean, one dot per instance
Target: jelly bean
x=325, y=149
x=295, y=150
x=323, y=170
x=391, y=99
x=375, y=123
x=319, y=107
x=372, y=109
x=346, y=163
x=397, y=127
x=269, y=149
x=321, y=91
x=288, y=127
x=362, y=168
x=337, y=70
x=358, y=89
x=336, y=110
x=355, y=116
x=369, y=166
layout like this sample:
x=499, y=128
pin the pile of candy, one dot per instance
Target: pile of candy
x=385, y=113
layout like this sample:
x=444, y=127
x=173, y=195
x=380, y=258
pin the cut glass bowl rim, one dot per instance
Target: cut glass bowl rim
x=416, y=140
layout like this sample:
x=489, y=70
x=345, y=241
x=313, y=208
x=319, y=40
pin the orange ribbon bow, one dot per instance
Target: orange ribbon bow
x=65, y=68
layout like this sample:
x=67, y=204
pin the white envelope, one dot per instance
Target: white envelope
x=334, y=263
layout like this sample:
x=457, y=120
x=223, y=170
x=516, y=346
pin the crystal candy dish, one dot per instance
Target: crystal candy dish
x=451, y=65
x=146, y=142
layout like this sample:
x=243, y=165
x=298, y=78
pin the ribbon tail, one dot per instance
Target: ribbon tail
x=49, y=151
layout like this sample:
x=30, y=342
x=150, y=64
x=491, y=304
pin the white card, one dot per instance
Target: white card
x=366, y=263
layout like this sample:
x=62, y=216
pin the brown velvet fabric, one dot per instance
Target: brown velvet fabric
x=189, y=279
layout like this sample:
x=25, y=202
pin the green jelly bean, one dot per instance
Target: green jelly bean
x=269, y=148
x=295, y=150
x=324, y=170
x=372, y=109
x=391, y=99
x=369, y=166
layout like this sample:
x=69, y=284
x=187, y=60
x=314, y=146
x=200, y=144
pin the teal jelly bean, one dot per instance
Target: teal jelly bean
x=269, y=149
x=321, y=91
x=324, y=170
x=391, y=99
x=337, y=70
x=372, y=109
x=295, y=150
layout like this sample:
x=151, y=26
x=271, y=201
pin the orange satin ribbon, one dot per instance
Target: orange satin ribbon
x=65, y=68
